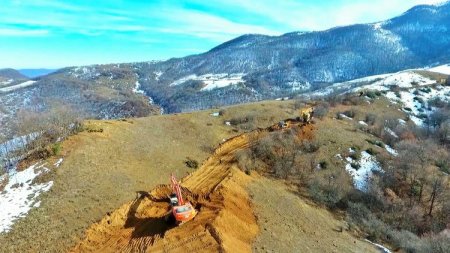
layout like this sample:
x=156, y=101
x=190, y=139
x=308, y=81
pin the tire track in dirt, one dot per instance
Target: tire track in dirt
x=225, y=221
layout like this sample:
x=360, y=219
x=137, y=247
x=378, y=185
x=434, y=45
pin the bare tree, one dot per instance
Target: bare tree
x=438, y=185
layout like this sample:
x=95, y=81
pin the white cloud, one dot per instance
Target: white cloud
x=208, y=26
x=22, y=33
x=293, y=15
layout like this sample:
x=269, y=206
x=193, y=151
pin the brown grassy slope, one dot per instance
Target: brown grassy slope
x=101, y=171
x=288, y=223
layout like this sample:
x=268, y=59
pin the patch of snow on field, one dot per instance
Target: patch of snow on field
x=184, y=79
x=367, y=165
x=369, y=78
x=379, y=246
x=212, y=81
x=389, y=131
x=137, y=88
x=58, y=163
x=405, y=79
x=220, y=80
x=416, y=101
x=296, y=85
x=17, y=86
x=345, y=116
x=20, y=195
x=9, y=81
x=443, y=69
x=158, y=74
x=415, y=94
x=363, y=123
x=390, y=150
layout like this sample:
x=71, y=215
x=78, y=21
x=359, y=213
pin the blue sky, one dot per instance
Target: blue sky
x=58, y=33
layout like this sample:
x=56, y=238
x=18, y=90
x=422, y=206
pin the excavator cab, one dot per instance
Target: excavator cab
x=184, y=213
x=173, y=199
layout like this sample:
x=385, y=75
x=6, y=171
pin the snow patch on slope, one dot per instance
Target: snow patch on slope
x=20, y=195
x=379, y=246
x=405, y=79
x=443, y=69
x=4, y=83
x=415, y=94
x=416, y=101
x=137, y=88
x=158, y=74
x=212, y=81
x=17, y=86
x=367, y=165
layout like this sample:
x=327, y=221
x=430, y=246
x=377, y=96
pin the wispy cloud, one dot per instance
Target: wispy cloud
x=320, y=15
x=22, y=33
x=203, y=25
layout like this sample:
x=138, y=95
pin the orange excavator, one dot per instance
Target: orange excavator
x=181, y=211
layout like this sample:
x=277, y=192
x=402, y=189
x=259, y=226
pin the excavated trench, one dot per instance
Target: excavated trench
x=225, y=221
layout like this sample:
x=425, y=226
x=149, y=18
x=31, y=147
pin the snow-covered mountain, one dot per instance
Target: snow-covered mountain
x=248, y=68
x=296, y=62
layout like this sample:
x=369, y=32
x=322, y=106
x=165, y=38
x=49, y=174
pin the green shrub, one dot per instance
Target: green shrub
x=376, y=143
x=443, y=165
x=371, y=94
x=310, y=146
x=191, y=163
x=56, y=148
x=323, y=165
x=355, y=165
x=321, y=110
x=328, y=196
x=355, y=156
x=371, y=151
x=371, y=119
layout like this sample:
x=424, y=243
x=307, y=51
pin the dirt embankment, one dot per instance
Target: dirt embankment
x=225, y=221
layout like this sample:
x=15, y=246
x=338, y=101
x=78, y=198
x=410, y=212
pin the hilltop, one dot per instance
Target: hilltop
x=99, y=171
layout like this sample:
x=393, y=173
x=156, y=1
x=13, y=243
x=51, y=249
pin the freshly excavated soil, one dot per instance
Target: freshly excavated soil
x=225, y=221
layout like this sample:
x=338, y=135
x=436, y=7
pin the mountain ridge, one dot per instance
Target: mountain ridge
x=248, y=68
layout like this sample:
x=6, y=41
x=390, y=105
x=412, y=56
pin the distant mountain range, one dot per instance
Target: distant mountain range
x=11, y=74
x=248, y=68
x=33, y=73
x=298, y=62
